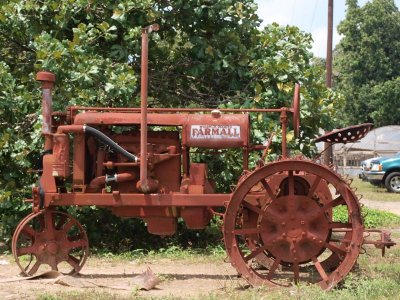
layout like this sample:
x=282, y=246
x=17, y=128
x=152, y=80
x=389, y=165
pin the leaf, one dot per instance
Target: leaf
x=289, y=136
x=209, y=50
x=117, y=14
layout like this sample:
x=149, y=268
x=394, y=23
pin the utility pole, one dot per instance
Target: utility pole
x=328, y=154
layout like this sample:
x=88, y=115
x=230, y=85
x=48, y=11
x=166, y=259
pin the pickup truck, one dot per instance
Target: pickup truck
x=385, y=171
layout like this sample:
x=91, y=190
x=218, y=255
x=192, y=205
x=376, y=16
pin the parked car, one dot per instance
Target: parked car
x=385, y=171
x=366, y=166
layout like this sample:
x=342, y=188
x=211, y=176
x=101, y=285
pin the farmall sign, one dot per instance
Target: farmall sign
x=205, y=132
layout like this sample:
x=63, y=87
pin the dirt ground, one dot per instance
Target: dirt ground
x=393, y=207
x=179, y=279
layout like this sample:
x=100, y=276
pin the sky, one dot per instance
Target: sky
x=310, y=15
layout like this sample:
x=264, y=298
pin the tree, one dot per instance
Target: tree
x=368, y=61
x=207, y=54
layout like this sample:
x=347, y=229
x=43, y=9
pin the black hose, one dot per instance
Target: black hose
x=106, y=140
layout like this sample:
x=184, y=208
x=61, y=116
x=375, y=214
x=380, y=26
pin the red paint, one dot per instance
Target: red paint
x=278, y=214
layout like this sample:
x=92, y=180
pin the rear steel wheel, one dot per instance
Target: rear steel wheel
x=294, y=226
x=50, y=240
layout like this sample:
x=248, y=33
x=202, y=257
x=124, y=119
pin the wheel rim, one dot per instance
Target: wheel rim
x=294, y=231
x=50, y=240
x=395, y=183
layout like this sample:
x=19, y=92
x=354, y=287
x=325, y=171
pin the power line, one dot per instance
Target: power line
x=313, y=14
x=293, y=12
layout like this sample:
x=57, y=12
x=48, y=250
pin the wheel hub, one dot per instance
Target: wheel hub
x=290, y=234
x=51, y=247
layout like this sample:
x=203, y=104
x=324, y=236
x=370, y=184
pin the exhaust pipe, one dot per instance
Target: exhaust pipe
x=47, y=79
x=145, y=184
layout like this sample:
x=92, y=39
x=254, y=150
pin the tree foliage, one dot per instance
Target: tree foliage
x=206, y=54
x=368, y=62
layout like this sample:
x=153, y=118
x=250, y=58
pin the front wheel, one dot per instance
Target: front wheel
x=52, y=240
x=392, y=182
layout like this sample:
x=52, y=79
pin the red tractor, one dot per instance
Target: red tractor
x=278, y=222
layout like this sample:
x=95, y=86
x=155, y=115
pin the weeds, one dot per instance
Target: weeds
x=373, y=192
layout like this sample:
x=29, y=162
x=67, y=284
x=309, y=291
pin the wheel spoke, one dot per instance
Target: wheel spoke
x=35, y=267
x=28, y=231
x=291, y=183
x=273, y=268
x=76, y=244
x=255, y=253
x=48, y=221
x=26, y=250
x=338, y=201
x=261, y=212
x=74, y=262
x=336, y=249
x=340, y=225
x=247, y=231
x=314, y=186
x=53, y=263
x=295, y=268
x=320, y=269
x=317, y=212
x=268, y=189
x=61, y=222
x=68, y=225
x=341, y=241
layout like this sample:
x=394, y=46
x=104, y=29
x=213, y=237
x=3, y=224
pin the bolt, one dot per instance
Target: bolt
x=303, y=233
x=320, y=242
x=284, y=234
x=283, y=223
x=314, y=238
x=294, y=251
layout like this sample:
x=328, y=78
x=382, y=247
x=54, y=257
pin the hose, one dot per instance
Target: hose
x=106, y=140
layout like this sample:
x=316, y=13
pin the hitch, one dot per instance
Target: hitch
x=382, y=243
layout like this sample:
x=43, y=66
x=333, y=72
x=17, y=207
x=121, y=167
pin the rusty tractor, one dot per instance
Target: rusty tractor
x=278, y=222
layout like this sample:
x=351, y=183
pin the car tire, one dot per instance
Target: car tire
x=392, y=182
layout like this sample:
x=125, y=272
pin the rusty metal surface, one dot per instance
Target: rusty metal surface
x=47, y=79
x=49, y=238
x=145, y=184
x=130, y=199
x=296, y=110
x=293, y=229
x=349, y=134
x=279, y=215
x=223, y=131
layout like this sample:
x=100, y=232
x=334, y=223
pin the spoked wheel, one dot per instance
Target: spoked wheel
x=294, y=228
x=50, y=240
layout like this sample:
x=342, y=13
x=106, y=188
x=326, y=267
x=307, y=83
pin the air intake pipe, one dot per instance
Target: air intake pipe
x=97, y=134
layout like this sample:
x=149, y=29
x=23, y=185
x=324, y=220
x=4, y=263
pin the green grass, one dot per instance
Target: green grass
x=213, y=253
x=372, y=192
x=373, y=218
